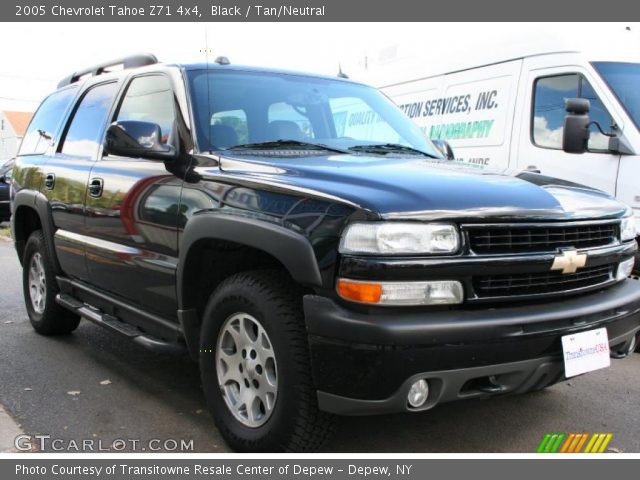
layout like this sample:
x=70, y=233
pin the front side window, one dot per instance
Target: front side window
x=45, y=122
x=287, y=107
x=84, y=133
x=549, y=111
x=623, y=79
x=150, y=99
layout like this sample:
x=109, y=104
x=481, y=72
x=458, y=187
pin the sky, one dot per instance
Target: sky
x=36, y=56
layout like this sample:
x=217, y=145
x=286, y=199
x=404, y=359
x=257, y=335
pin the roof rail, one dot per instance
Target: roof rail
x=132, y=61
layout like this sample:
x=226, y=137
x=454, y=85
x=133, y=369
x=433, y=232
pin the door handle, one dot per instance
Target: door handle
x=95, y=187
x=50, y=181
x=533, y=169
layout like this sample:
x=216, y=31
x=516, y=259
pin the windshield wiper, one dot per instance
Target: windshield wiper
x=275, y=144
x=385, y=148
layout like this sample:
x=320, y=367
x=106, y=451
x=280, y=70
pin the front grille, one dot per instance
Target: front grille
x=540, y=283
x=544, y=238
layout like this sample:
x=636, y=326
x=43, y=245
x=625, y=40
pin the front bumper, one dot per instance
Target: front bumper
x=365, y=362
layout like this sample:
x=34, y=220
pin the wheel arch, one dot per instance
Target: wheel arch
x=31, y=211
x=263, y=244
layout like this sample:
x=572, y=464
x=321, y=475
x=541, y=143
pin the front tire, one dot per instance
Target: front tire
x=254, y=362
x=40, y=290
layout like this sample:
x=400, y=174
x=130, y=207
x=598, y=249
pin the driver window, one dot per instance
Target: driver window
x=150, y=99
x=549, y=111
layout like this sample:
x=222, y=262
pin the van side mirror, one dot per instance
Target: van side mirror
x=575, y=134
x=139, y=140
x=444, y=148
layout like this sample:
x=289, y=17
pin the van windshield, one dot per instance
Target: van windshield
x=239, y=109
x=624, y=80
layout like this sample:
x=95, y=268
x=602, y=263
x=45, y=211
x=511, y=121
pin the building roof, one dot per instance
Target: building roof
x=19, y=121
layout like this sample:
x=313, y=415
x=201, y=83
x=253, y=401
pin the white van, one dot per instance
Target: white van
x=508, y=114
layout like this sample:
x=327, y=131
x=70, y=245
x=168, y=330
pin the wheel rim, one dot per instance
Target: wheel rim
x=247, y=370
x=37, y=283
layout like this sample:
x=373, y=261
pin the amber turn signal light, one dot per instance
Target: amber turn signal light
x=359, y=291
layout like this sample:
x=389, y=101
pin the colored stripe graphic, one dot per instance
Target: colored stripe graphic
x=574, y=443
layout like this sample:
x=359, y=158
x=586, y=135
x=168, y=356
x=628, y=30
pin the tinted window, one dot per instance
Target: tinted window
x=235, y=119
x=45, y=122
x=84, y=134
x=150, y=99
x=297, y=107
x=549, y=111
x=285, y=122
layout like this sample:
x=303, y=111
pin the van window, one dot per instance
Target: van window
x=45, y=122
x=84, y=133
x=149, y=99
x=548, y=111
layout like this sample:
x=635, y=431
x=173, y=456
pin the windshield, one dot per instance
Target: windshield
x=624, y=80
x=234, y=109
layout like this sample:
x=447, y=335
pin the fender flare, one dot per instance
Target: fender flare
x=290, y=248
x=40, y=204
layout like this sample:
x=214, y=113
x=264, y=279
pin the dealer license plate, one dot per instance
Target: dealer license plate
x=585, y=352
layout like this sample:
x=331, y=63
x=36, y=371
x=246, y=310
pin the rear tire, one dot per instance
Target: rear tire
x=257, y=321
x=40, y=290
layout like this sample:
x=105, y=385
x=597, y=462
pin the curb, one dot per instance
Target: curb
x=9, y=430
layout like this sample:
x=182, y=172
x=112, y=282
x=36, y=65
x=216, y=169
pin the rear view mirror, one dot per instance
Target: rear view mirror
x=575, y=135
x=139, y=140
x=444, y=148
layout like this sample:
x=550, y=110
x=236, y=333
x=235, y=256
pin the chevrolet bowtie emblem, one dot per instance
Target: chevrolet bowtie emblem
x=569, y=261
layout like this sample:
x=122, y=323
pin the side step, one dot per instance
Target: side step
x=116, y=325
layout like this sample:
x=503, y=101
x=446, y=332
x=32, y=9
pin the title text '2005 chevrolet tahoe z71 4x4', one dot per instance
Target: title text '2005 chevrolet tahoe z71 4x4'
x=300, y=237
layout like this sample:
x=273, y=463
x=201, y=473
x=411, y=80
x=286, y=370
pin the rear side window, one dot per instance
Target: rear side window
x=84, y=134
x=45, y=122
x=549, y=111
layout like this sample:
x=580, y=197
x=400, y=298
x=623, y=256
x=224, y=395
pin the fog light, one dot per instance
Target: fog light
x=418, y=393
x=625, y=268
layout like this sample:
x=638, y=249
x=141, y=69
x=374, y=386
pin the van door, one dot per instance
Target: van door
x=471, y=109
x=543, y=112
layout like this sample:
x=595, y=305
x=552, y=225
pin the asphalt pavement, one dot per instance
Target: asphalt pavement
x=96, y=387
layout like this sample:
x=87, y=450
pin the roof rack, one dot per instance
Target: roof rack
x=132, y=61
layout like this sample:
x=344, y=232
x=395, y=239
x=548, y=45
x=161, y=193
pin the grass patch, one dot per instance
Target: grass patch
x=5, y=232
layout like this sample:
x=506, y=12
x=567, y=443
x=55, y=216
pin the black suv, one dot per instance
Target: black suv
x=303, y=241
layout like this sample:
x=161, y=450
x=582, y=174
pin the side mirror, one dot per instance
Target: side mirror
x=138, y=139
x=444, y=148
x=3, y=179
x=575, y=135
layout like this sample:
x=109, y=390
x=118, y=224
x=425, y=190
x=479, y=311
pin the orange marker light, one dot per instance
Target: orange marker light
x=359, y=291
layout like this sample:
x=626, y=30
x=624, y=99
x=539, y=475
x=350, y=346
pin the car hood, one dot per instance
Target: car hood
x=418, y=188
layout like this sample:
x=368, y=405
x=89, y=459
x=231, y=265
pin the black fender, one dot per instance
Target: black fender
x=290, y=248
x=40, y=204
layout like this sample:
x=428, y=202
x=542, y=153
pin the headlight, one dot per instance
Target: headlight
x=628, y=229
x=400, y=238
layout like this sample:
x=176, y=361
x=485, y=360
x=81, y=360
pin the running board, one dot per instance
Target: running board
x=116, y=325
